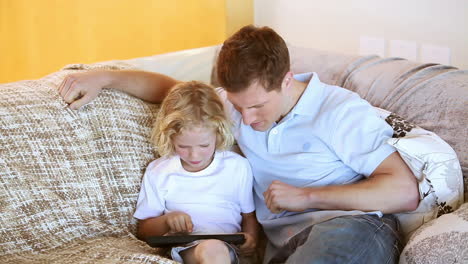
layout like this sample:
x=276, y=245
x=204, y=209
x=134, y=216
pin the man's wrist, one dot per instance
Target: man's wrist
x=312, y=197
x=107, y=79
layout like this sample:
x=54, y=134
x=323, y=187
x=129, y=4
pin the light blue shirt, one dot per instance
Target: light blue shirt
x=331, y=136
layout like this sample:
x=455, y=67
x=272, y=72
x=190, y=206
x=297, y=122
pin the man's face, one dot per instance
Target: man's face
x=258, y=107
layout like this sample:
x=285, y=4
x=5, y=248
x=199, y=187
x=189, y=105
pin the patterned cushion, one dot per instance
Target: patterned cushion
x=69, y=180
x=440, y=241
x=436, y=167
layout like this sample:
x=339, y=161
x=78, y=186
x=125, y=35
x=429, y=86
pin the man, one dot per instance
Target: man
x=323, y=172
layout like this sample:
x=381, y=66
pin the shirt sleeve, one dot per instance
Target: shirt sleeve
x=150, y=200
x=246, y=188
x=359, y=137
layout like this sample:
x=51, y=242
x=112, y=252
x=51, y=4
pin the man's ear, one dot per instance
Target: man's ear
x=287, y=81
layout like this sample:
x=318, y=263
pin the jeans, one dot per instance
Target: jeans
x=347, y=239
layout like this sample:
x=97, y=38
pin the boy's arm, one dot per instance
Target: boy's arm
x=176, y=222
x=154, y=226
x=78, y=89
x=250, y=228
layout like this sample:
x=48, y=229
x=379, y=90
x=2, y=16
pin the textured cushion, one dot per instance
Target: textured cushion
x=112, y=250
x=69, y=179
x=440, y=241
x=436, y=167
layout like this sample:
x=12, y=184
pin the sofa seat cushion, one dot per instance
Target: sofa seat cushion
x=97, y=250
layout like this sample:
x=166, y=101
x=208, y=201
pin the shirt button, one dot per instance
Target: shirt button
x=274, y=131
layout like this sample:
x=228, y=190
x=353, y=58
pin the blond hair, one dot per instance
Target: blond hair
x=187, y=105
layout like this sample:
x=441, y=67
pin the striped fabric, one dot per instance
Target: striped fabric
x=69, y=180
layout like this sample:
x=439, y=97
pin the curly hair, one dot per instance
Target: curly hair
x=253, y=54
x=187, y=105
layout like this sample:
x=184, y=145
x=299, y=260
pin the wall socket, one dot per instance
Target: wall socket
x=410, y=50
x=435, y=54
x=371, y=45
x=403, y=49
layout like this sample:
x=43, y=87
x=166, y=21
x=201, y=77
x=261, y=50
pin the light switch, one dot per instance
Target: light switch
x=403, y=49
x=371, y=45
x=435, y=54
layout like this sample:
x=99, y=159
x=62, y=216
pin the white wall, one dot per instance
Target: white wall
x=338, y=25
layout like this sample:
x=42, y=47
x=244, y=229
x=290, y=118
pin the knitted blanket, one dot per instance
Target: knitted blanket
x=69, y=180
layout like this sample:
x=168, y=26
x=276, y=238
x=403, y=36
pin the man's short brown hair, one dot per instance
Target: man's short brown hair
x=253, y=54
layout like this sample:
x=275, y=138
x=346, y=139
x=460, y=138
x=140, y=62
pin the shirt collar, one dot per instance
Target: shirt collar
x=311, y=98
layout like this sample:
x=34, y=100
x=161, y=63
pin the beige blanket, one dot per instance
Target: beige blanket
x=69, y=180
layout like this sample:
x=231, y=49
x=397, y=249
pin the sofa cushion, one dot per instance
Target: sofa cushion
x=96, y=250
x=443, y=240
x=68, y=176
x=436, y=167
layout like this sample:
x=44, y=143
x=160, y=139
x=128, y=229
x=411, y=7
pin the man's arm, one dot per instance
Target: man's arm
x=391, y=188
x=78, y=89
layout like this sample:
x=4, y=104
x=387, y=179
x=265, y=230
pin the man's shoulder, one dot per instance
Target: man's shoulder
x=339, y=100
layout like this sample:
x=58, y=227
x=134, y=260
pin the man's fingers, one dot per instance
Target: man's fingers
x=268, y=199
x=271, y=202
x=66, y=85
x=71, y=95
x=80, y=102
x=62, y=84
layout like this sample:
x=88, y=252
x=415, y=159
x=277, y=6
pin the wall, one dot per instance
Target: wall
x=339, y=25
x=39, y=37
x=238, y=14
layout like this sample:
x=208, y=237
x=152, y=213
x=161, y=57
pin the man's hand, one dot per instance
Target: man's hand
x=179, y=222
x=281, y=196
x=250, y=245
x=78, y=89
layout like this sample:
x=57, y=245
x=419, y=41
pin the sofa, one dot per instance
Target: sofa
x=69, y=180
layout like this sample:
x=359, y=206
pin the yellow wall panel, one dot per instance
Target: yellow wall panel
x=238, y=14
x=38, y=37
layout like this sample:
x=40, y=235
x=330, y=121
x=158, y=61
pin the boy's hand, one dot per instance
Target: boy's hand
x=179, y=222
x=250, y=245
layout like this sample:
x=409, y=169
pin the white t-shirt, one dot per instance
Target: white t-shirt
x=214, y=197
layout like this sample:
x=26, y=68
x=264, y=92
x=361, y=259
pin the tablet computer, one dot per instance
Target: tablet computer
x=175, y=240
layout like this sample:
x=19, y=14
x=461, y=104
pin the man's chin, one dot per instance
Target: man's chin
x=261, y=126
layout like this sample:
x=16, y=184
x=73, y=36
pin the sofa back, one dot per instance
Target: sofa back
x=72, y=175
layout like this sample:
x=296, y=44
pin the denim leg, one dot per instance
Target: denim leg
x=349, y=239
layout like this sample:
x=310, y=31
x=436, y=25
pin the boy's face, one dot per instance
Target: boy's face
x=195, y=146
x=258, y=107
